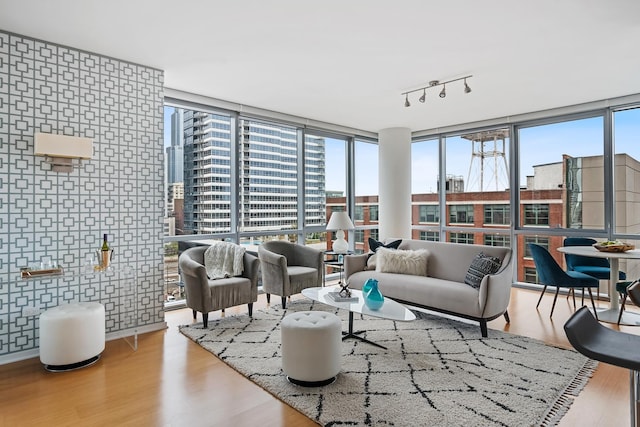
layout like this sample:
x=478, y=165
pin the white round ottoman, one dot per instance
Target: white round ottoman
x=71, y=335
x=311, y=347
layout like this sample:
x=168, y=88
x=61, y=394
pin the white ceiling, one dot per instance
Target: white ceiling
x=347, y=61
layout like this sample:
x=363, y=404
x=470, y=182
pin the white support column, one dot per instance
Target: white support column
x=394, y=145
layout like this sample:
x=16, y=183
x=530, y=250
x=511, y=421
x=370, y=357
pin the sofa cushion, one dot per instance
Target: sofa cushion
x=481, y=266
x=402, y=262
x=374, y=245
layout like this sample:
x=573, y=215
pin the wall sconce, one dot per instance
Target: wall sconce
x=432, y=84
x=61, y=150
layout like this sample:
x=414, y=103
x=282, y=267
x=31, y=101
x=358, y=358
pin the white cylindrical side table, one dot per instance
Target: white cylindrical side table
x=311, y=347
x=72, y=335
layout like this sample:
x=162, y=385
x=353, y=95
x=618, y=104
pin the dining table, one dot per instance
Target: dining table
x=609, y=314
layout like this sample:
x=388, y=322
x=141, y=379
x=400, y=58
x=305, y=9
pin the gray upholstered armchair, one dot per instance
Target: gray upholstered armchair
x=206, y=295
x=288, y=268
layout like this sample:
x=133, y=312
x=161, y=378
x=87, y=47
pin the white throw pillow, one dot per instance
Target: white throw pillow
x=402, y=261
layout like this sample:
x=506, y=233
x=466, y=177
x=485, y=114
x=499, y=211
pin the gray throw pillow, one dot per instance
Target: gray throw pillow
x=481, y=265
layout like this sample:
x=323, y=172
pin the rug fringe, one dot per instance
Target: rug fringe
x=563, y=403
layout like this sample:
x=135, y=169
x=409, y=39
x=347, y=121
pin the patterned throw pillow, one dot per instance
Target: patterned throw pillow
x=374, y=245
x=481, y=266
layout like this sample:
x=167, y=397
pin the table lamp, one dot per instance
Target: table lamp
x=339, y=222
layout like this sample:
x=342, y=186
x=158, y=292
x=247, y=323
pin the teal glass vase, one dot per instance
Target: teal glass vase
x=368, y=284
x=373, y=298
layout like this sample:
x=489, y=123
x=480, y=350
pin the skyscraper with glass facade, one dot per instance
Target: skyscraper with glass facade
x=267, y=175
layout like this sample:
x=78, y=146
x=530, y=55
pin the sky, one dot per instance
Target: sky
x=538, y=145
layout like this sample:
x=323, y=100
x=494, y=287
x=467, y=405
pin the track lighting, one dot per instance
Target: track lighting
x=435, y=83
x=467, y=89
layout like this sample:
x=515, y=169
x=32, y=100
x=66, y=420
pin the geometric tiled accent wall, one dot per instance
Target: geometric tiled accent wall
x=49, y=88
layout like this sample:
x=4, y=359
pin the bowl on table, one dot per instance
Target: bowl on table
x=613, y=246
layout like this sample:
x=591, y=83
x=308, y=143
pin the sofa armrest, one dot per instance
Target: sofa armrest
x=275, y=279
x=495, y=290
x=354, y=263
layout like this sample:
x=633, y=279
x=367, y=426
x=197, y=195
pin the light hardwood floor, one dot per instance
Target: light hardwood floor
x=170, y=381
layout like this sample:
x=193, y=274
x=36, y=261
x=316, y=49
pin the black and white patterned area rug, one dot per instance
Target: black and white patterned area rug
x=436, y=371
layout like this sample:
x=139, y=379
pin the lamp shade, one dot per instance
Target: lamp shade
x=340, y=221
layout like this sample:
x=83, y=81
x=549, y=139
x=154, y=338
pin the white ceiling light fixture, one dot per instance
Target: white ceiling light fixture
x=432, y=84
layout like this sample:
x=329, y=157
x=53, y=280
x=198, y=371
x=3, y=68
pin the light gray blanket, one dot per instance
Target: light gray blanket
x=224, y=259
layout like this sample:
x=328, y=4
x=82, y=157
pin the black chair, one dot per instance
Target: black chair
x=551, y=274
x=622, y=289
x=600, y=343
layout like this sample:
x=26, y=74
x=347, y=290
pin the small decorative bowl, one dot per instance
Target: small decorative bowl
x=623, y=247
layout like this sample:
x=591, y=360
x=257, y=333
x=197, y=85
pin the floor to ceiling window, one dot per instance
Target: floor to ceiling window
x=561, y=183
x=477, y=187
x=425, y=202
x=626, y=184
x=365, y=217
x=334, y=172
x=237, y=178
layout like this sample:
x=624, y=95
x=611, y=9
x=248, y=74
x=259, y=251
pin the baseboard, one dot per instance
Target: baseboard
x=35, y=352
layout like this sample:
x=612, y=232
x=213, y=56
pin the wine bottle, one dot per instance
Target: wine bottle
x=105, y=244
x=105, y=252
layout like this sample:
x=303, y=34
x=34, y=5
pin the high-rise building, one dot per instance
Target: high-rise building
x=267, y=181
x=175, y=152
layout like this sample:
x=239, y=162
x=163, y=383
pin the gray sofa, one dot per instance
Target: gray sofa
x=444, y=288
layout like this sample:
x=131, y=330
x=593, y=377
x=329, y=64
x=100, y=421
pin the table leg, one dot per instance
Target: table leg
x=610, y=315
x=356, y=335
x=614, y=302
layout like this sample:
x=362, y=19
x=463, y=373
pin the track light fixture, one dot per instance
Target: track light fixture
x=467, y=89
x=435, y=83
x=443, y=92
x=424, y=96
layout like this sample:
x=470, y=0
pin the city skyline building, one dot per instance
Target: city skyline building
x=267, y=181
x=175, y=152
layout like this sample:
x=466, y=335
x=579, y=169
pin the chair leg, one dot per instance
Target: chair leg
x=541, y=295
x=284, y=302
x=250, y=309
x=194, y=314
x=582, y=302
x=268, y=298
x=205, y=319
x=506, y=317
x=595, y=313
x=624, y=300
x=555, y=297
x=573, y=292
x=634, y=396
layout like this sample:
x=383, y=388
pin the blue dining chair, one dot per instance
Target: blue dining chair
x=594, y=267
x=551, y=274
